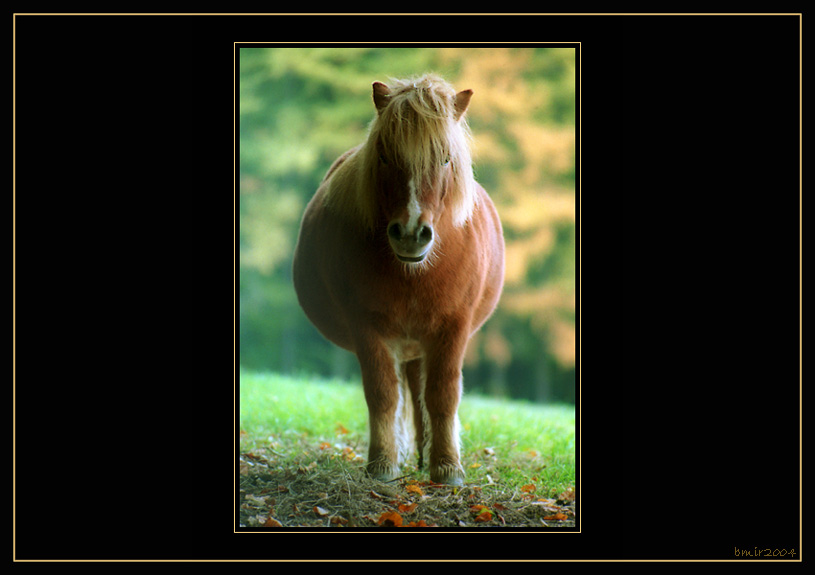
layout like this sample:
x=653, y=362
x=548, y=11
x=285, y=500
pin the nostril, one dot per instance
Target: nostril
x=395, y=231
x=425, y=234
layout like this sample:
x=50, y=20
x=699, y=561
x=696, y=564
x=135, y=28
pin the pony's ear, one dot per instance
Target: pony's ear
x=381, y=95
x=461, y=102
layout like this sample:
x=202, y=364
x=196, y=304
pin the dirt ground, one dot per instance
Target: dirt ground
x=336, y=492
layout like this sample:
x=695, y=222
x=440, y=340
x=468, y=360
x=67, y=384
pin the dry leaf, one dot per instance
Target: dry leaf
x=482, y=512
x=272, y=522
x=390, y=519
x=567, y=495
x=529, y=488
x=325, y=445
x=259, y=458
x=407, y=508
x=341, y=429
x=556, y=517
x=339, y=520
x=414, y=489
x=320, y=511
x=485, y=515
x=255, y=500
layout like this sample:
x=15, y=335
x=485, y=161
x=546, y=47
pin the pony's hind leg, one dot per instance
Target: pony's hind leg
x=414, y=373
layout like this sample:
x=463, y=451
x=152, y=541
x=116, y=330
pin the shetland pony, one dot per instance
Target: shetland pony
x=400, y=259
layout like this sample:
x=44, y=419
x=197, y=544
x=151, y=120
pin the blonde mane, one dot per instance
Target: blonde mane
x=420, y=129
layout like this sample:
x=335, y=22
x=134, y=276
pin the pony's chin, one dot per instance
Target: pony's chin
x=411, y=260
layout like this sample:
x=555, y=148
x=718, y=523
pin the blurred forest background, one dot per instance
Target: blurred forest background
x=300, y=108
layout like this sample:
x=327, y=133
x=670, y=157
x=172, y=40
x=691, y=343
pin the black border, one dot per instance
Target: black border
x=691, y=145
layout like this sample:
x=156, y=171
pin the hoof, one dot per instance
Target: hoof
x=448, y=474
x=382, y=471
x=454, y=481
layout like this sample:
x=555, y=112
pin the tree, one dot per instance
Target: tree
x=299, y=108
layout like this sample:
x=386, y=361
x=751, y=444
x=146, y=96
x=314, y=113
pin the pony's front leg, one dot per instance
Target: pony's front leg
x=441, y=399
x=381, y=385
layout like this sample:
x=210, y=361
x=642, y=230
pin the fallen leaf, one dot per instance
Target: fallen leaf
x=341, y=429
x=475, y=465
x=556, y=517
x=489, y=451
x=414, y=489
x=420, y=523
x=390, y=519
x=567, y=495
x=272, y=522
x=339, y=520
x=482, y=512
x=529, y=488
x=255, y=500
x=325, y=445
x=485, y=515
x=407, y=508
x=255, y=457
x=320, y=511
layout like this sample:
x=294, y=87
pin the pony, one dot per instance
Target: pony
x=400, y=260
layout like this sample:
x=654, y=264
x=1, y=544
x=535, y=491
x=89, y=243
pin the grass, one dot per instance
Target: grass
x=508, y=443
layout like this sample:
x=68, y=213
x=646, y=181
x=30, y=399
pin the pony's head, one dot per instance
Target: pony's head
x=415, y=168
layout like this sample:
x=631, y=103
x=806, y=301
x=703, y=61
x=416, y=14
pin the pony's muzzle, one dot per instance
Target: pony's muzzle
x=410, y=247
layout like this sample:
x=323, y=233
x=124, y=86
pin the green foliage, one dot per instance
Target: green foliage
x=299, y=108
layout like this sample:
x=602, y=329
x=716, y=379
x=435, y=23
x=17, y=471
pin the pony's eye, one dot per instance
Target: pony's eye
x=446, y=161
x=383, y=159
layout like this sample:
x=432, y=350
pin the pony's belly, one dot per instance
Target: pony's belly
x=404, y=349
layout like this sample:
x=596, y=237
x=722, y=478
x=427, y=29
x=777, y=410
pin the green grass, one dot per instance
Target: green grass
x=512, y=442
